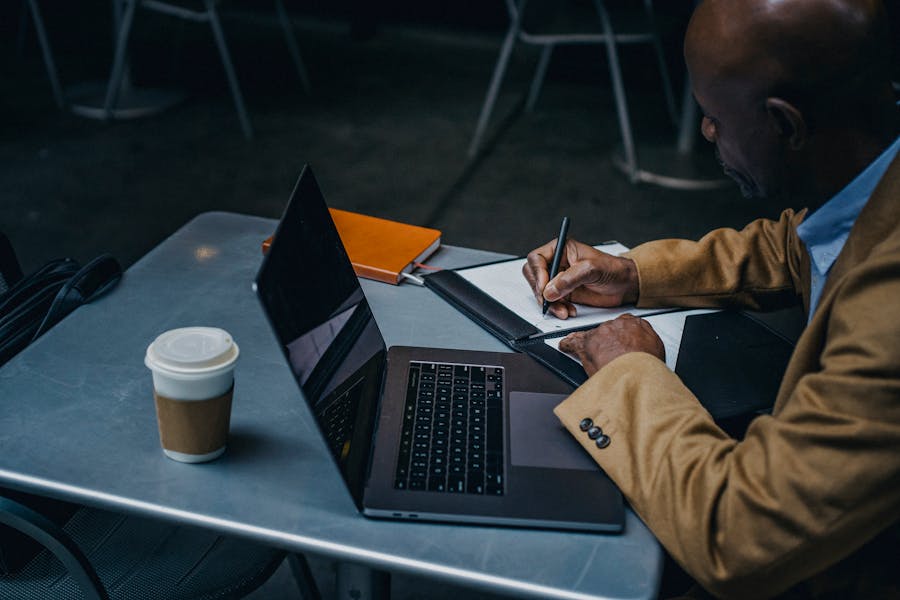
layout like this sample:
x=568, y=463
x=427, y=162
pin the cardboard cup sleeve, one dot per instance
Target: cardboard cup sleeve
x=194, y=426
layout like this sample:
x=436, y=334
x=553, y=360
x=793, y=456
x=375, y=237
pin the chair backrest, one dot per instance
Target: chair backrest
x=98, y=554
x=49, y=535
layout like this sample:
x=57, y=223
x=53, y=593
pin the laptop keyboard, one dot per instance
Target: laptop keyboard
x=338, y=418
x=452, y=437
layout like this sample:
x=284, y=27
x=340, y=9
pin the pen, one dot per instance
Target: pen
x=557, y=254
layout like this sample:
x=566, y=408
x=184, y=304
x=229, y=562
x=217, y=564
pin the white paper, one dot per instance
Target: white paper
x=669, y=327
x=505, y=283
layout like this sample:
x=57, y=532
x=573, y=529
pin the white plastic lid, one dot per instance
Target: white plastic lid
x=192, y=350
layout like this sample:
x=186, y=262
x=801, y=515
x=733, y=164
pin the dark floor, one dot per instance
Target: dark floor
x=386, y=128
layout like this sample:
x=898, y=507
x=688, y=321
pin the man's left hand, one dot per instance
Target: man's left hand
x=610, y=340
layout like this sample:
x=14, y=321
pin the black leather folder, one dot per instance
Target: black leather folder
x=731, y=361
x=504, y=324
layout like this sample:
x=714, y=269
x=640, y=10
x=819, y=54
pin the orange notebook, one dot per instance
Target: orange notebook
x=381, y=249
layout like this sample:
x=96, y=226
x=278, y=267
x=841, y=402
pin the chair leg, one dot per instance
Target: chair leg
x=52, y=73
x=23, y=29
x=687, y=127
x=539, y=74
x=668, y=90
x=619, y=92
x=229, y=68
x=304, y=577
x=119, y=66
x=362, y=582
x=291, y=41
x=494, y=88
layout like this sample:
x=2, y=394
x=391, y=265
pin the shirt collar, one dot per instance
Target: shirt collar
x=825, y=231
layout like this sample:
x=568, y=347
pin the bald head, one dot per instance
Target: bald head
x=819, y=54
x=787, y=85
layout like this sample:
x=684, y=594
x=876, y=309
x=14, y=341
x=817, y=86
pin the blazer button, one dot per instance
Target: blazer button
x=602, y=441
x=585, y=424
x=594, y=432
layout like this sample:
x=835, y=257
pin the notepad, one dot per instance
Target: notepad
x=504, y=282
x=497, y=297
x=381, y=249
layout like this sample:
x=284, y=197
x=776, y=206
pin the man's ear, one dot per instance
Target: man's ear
x=787, y=121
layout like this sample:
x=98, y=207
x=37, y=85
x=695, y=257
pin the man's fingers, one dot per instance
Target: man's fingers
x=578, y=274
x=563, y=309
x=571, y=343
x=538, y=279
x=537, y=269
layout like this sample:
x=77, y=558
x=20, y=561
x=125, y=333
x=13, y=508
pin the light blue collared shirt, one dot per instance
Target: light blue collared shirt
x=826, y=231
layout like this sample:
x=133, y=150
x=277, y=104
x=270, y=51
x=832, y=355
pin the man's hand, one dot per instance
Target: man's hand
x=586, y=276
x=610, y=340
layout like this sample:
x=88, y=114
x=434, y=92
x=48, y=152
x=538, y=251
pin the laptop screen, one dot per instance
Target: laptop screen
x=326, y=330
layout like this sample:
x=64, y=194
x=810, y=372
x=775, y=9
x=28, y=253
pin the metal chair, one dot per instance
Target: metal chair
x=100, y=555
x=46, y=52
x=608, y=38
x=208, y=14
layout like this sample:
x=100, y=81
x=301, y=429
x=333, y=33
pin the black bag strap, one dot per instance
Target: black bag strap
x=10, y=271
x=90, y=282
x=55, y=272
x=39, y=301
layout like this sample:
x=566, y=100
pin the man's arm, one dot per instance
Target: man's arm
x=757, y=267
x=804, y=489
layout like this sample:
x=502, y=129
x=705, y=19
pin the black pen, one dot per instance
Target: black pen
x=557, y=254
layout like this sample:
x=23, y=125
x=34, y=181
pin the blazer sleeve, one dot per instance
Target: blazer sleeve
x=803, y=489
x=757, y=267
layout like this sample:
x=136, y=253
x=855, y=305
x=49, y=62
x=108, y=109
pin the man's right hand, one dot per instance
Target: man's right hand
x=586, y=276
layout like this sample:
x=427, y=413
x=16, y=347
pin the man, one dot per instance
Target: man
x=796, y=96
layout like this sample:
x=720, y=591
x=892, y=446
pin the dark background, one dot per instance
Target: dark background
x=397, y=88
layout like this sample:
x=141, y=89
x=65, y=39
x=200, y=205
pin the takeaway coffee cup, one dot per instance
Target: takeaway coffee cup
x=193, y=382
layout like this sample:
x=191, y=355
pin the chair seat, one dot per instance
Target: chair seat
x=142, y=558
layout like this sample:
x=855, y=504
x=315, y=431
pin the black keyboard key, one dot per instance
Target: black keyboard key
x=450, y=416
x=456, y=483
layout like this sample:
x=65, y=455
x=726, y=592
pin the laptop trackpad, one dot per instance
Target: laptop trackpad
x=538, y=439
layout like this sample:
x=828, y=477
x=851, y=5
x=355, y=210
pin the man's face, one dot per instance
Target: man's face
x=737, y=123
x=728, y=73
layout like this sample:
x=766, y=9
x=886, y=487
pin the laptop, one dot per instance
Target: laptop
x=421, y=433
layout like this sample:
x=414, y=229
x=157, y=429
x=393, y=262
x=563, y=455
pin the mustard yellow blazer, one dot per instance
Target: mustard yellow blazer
x=808, y=502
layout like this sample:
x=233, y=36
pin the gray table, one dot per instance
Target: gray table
x=77, y=422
